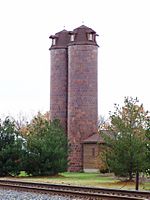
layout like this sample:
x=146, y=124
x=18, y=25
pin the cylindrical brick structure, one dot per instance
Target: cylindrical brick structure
x=59, y=77
x=82, y=92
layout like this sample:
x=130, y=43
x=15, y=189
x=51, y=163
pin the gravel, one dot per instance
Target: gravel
x=16, y=195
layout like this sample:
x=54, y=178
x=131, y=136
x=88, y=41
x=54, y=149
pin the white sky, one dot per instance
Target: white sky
x=124, y=54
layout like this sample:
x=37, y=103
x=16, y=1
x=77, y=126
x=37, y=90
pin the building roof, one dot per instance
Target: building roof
x=85, y=28
x=97, y=137
x=62, y=39
x=81, y=36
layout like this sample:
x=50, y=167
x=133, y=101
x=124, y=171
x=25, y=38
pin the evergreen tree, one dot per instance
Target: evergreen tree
x=11, y=148
x=47, y=147
x=148, y=146
x=127, y=145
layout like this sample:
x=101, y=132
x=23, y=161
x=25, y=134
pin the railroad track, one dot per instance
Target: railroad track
x=76, y=191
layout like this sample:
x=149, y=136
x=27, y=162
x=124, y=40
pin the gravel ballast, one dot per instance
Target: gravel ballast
x=16, y=195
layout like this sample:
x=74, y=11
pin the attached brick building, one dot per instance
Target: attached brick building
x=73, y=97
x=93, y=149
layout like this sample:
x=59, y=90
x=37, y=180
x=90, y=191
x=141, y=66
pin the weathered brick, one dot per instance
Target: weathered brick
x=73, y=97
x=82, y=99
x=59, y=86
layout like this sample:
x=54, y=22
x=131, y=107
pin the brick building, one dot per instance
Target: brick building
x=73, y=97
x=93, y=149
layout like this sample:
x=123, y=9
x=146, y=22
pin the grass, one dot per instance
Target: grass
x=146, y=186
x=87, y=179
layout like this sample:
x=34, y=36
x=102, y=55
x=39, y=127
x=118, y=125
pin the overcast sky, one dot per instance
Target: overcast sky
x=124, y=53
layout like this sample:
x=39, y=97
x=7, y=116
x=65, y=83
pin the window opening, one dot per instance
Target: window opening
x=90, y=36
x=72, y=38
x=54, y=41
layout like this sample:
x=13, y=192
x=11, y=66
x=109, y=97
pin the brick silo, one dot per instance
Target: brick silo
x=59, y=77
x=82, y=92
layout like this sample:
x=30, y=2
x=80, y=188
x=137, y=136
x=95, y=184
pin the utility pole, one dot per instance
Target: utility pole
x=137, y=178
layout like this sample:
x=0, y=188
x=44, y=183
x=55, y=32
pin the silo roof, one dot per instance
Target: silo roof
x=62, y=39
x=81, y=36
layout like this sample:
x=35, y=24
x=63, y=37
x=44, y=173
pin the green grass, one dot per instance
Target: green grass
x=86, y=179
x=146, y=186
x=23, y=174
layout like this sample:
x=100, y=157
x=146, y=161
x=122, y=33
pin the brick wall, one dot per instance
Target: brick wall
x=73, y=97
x=93, y=157
x=58, y=90
x=82, y=99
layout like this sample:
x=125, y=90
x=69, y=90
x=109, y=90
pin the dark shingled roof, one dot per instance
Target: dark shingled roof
x=62, y=39
x=81, y=36
x=97, y=138
x=85, y=28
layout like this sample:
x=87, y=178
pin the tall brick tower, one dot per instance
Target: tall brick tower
x=82, y=92
x=59, y=77
x=74, y=87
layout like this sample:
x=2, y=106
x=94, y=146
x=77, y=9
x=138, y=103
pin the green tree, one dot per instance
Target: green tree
x=127, y=143
x=11, y=148
x=148, y=146
x=47, y=147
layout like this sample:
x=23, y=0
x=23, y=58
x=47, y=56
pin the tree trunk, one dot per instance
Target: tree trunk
x=130, y=176
x=137, y=180
x=130, y=172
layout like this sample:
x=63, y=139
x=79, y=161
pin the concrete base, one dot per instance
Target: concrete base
x=91, y=170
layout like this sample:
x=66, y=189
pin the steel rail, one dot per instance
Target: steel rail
x=87, y=192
